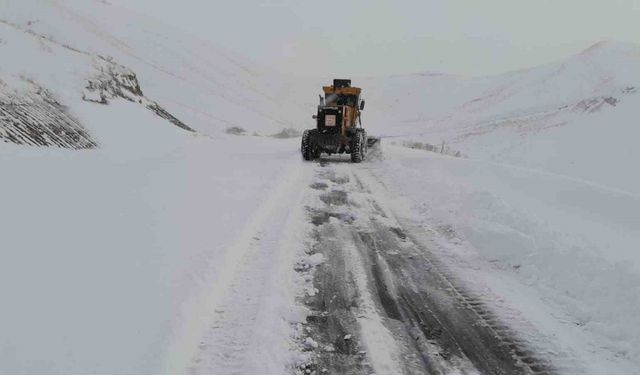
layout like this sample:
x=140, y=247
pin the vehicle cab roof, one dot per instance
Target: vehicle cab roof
x=342, y=90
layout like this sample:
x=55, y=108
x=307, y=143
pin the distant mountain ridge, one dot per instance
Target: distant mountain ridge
x=576, y=117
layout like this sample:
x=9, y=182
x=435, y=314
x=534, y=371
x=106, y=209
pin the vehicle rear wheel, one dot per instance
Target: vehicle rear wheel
x=357, y=150
x=306, y=147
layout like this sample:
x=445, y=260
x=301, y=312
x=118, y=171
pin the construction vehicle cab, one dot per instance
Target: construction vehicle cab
x=338, y=124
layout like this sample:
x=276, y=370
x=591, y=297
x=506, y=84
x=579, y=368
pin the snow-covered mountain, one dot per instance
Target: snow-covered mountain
x=547, y=190
x=79, y=53
x=576, y=117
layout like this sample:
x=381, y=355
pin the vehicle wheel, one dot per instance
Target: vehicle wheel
x=357, y=148
x=365, y=145
x=305, y=147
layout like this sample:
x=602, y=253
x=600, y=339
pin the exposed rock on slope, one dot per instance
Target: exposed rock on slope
x=37, y=100
x=33, y=116
x=113, y=81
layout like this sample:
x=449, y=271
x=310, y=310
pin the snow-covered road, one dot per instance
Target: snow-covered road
x=385, y=303
x=335, y=272
x=349, y=269
x=252, y=296
x=399, y=265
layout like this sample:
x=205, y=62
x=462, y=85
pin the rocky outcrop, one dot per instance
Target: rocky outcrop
x=112, y=81
x=33, y=116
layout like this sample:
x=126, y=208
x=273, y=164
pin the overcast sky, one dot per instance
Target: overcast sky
x=369, y=37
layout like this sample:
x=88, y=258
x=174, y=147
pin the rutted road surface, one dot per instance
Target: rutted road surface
x=384, y=303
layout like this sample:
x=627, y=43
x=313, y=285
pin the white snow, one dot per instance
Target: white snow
x=537, y=239
x=109, y=258
x=119, y=260
x=163, y=251
x=542, y=209
x=552, y=118
x=205, y=86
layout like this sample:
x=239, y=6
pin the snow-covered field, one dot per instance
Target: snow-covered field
x=162, y=250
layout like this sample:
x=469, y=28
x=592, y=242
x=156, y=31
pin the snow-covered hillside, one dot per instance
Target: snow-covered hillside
x=65, y=47
x=576, y=117
x=546, y=194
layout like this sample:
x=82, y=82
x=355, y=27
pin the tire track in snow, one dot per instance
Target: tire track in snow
x=440, y=306
x=348, y=334
x=250, y=298
x=378, y=272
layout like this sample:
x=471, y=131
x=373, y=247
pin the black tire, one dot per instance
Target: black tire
x=357, y=147
x=365, y=145
x=306, y=147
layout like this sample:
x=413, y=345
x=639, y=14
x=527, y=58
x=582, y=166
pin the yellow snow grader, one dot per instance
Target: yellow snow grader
x=338, y=124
